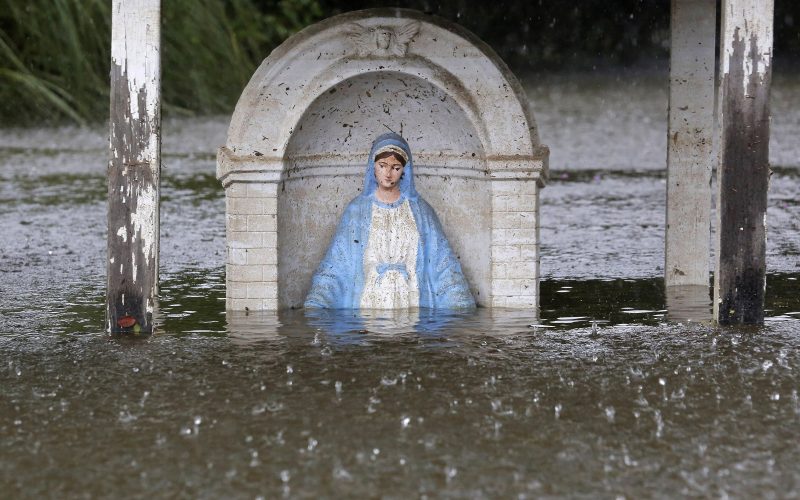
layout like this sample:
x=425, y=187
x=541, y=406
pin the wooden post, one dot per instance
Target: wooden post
x=134, y=166
x=743, y=173
x=689, y=147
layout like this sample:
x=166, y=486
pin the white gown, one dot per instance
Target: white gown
x=390, y=259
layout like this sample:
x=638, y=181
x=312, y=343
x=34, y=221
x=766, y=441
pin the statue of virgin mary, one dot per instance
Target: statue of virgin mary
x=389, y=250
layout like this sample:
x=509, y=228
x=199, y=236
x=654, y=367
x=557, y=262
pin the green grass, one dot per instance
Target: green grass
x=55, y=54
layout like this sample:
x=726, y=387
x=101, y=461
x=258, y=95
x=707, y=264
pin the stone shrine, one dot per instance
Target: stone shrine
x=299, y=138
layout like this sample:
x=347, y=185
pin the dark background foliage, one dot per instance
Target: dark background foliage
x=576, y=35
x=54, y=54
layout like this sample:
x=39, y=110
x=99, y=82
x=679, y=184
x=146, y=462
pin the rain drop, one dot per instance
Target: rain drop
x=145, y=395
x=450, y=472
x=659, y=424
x=342, y=473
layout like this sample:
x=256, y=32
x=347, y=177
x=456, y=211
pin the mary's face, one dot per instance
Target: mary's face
x=388, y=172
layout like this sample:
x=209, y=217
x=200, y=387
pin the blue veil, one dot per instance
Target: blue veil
x=339, y=279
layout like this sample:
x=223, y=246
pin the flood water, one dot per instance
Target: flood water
x=614, y=390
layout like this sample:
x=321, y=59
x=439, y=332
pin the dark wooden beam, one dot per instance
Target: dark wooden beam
x=743, y=173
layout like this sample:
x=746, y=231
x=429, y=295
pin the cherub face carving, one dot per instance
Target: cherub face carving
x=382, y=40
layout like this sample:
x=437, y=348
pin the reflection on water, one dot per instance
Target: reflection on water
x=615, y=388
x=689, y=303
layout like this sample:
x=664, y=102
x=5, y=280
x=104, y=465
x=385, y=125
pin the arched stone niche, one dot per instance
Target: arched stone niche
x=298, y=142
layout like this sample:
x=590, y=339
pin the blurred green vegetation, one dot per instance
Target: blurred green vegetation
x=53, y=59
x=54, y=54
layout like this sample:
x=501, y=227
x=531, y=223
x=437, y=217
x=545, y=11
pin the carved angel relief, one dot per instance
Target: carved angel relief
x=381, y=40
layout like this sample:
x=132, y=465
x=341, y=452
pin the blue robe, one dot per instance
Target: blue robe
x=339, y=279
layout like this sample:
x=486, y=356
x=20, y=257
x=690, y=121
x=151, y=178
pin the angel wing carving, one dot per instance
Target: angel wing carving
x=362, y=38
x=402, y=37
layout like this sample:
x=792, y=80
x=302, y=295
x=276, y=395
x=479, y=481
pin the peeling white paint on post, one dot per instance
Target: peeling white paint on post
x=134, y=166
x=689, y=149
x=743, y=173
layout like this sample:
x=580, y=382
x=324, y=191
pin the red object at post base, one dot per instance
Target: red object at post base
x=126, y=321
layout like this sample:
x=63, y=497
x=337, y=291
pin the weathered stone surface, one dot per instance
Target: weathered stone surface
x=300, y=135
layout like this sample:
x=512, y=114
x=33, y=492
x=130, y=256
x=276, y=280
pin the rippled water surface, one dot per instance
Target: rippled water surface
x=615, y=389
